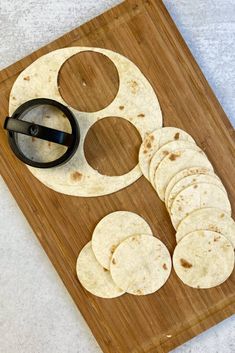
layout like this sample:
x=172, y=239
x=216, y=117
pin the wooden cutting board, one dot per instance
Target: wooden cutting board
x=144, y=32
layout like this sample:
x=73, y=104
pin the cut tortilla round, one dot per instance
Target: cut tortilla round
x=140, y=265
x=94, y=278
x=174, y=163
x=112, y=230
x=156, y=140
x=203, y=259
x=211, y=219
x=184, y=173
x=195, y=197
x=166, y=150
x=140, y=107
x=191, y=180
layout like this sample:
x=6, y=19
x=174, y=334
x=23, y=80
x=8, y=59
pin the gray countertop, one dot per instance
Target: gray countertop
x=36, y=313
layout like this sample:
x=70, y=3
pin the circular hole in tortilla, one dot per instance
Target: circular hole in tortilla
x=88, y=81
x=111, y=146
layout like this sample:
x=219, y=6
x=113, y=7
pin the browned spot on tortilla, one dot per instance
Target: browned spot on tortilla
x=121, y=107
x=14, y=98
x=114, y=261
x=49, y=79
x=194, y=180
x=33, y=139
x=76, y=176
x=139, y=292
x=145, y=151
x=165, y=153
x=222, y=215
x=195, y=186
x=177, y=135
x=152, y=138
x=105, y=269
x=205, y=192
x=164, y=266
x=136, y=239
x=134, y=86
x=27, y=78
x=184, y=263
x=180, y=208
x=209, y=250
x=213, y=228
x=216, y=238
x=149, y=145
x=112, y=249
x=47, y=116
x=174, y=156
x=141, y=115
x=49, y=144
x=225, y=247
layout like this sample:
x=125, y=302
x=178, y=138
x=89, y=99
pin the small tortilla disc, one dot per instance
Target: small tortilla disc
x=156, y=140
x=191, y=180
x=207, y=219
x=140, y=265
x=195, y=197
x=186, y=172
x=94, y=277
x=164, y=151
x=112, y=230
x=174, y=163
x=203, y=259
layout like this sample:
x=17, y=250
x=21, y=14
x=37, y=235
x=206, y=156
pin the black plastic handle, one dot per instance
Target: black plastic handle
x=39, y=131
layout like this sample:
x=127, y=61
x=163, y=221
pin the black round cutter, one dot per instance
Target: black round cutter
x=15, y=125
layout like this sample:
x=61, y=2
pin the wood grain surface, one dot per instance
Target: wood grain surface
x=144, y=32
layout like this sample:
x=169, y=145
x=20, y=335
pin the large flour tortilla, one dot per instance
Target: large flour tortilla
x=156, y=140
x=140, y=265
x=191, y=180
x=184, y=173
x=112, y=230
x=207, y=219
x=141, y=108
x=166, y=150
x=203, y=259
x=174, y=163
x=94, y=277
x=198, y=196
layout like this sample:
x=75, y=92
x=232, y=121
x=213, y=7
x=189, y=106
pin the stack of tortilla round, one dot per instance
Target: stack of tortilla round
x=123, y=256
x=198, y=205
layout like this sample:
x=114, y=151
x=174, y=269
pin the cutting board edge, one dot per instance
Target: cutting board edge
x=66, y=37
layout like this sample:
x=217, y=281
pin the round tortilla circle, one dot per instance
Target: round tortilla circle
x=156, y=140
x=174, y=163
x=135, y=94
x=112, y=230
x=195, y=197
x=186, y=172
x=191, y=180
x=209, y=218
x=140, y=265
x=93, y=277
x=166, y=150
x=203, y=259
